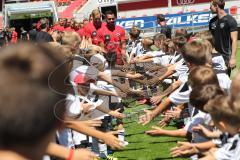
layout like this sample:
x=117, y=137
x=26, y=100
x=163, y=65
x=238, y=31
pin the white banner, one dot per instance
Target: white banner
x=106, y=2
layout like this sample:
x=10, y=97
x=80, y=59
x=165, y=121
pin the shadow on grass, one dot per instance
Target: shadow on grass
x=135, y=142
x=164, y=158
x=129, y=135
x=174, y=141
x=131, y=149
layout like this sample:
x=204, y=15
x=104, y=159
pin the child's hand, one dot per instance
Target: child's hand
x=209, y=155
x=117, y=114
x=156, y=99
x=93, y=123
x=204, y=130
x=86, y=108
x=137, y=75
x=146, y=118
x=121, y=94
x=153, y=81
x=156, y=131
x=175, y=113
x=184, y=149
x=125, y=88
x=83, y=154
x=164, y=122
x=137, y=92
x=112, y=141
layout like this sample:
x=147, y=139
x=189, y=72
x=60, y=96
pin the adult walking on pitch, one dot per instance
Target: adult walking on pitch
x=224, y=30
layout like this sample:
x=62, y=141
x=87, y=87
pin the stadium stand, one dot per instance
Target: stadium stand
x=74, y=6
x=1, y=20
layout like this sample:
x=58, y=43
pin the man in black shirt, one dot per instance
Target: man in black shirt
x=43, y=36
x=2, y=38
x=33, y=32
x=224, y=30
x=24, y=34
x=164, y=28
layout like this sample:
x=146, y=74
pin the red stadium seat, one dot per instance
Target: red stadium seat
x=206, y=10
x=1, y=20
x=233, y=10
x=74, y=6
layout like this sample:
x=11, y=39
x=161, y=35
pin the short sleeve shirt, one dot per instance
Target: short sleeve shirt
x=221, y=30
x=166, y=30
x=43, y=37
x=90, y=31
x=112, y=40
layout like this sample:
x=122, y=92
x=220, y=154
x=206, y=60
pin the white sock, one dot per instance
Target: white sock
x=102, y=148
x=121, y=134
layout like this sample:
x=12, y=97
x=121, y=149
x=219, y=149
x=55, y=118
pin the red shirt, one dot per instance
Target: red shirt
x=58, y=28
x=14, y=37
x=81, y=32
x=90, y=31
x=70, y=29
x=112, y=40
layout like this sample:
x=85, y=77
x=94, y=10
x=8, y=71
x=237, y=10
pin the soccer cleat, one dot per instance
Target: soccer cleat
x=111, y=158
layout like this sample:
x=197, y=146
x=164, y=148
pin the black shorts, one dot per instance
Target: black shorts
x=2, y=43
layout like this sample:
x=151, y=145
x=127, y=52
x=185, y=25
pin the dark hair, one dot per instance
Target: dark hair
x=179, y=43
x=219, y=3
x=44, y=23
x=159, y=36
x=160, y=17
x=181, y=32
x=135, y=28
x=26, y=100
x=202, y=75
x=109, y=12
x=200, y=95
x=34, y=25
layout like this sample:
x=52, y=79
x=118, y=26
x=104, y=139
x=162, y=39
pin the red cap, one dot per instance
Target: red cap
x=82, y=79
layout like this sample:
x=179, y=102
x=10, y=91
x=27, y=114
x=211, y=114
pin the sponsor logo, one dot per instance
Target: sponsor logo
x=189, y=19
x=222, y=25
x=105, y=2
x=185, y=2
x=176, y=20
x=128, y=24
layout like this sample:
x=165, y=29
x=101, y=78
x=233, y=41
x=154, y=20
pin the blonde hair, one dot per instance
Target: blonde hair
x=95, y=12
x=235, y=87
x=70, y=38
x=195, y=52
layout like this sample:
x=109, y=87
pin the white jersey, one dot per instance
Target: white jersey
x=138, y=51
x=68, y=137
x=199, y=118
x=181, y=68
x=218, y=62
x=176, y=58
x=229, y=150
x=224, y=80
x=236, y=155
x=156, y=53
x=180, y=95
x=163, y=59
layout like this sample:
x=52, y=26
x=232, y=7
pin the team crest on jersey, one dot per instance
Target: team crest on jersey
x=118, y=34
x=222, y=25
x=94, y=34
x=213, y=26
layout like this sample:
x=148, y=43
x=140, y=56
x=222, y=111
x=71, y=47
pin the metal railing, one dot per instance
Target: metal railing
x=150, y=31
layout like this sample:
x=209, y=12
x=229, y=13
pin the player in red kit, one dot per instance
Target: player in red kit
x=90, y=30
x=60, y=26
x=112, y=38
